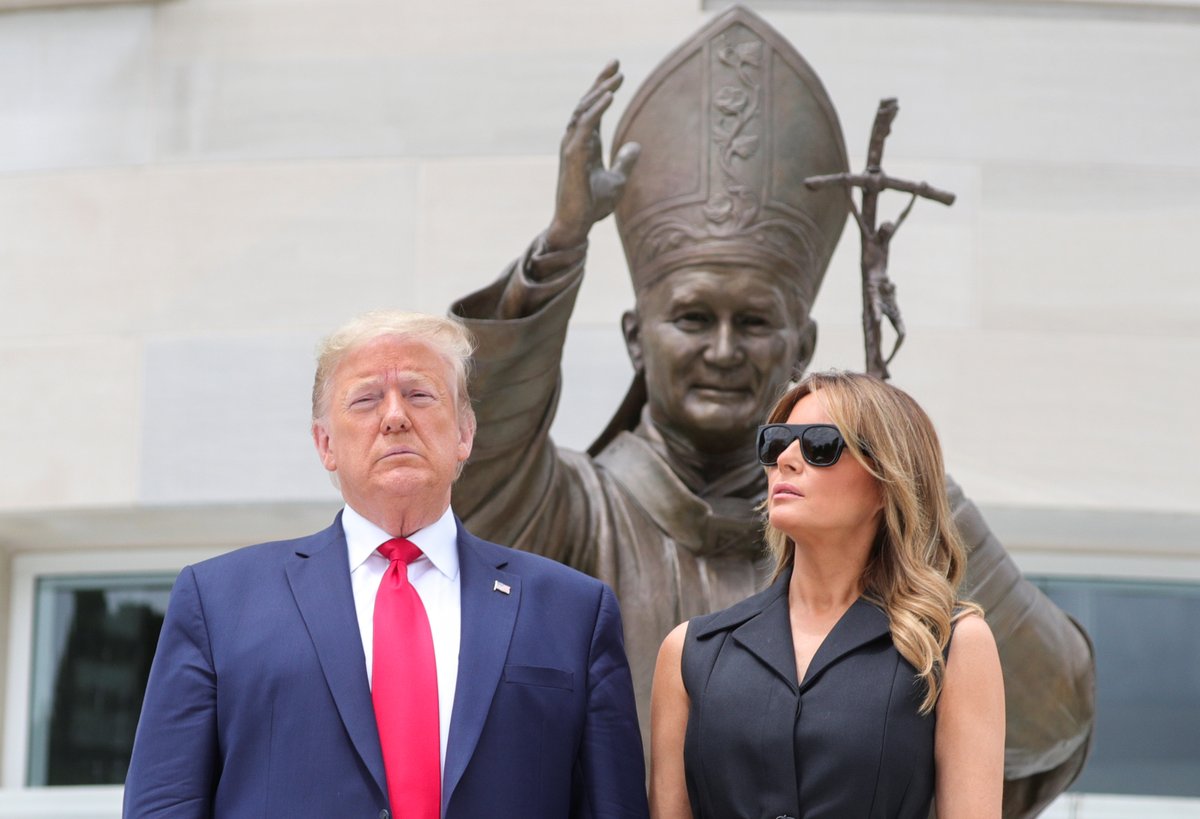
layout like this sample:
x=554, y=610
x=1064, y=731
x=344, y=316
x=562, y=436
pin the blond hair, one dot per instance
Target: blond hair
x=446, y=336
x=918, y=559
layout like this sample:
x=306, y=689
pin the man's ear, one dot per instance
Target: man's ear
x=808, y=347
x=466, y=434
x=631, y=329
x=324, y=451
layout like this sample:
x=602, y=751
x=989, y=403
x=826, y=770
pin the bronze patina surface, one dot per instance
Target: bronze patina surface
x=726, y=248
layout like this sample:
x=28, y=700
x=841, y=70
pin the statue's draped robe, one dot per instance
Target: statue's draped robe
x=671, y=554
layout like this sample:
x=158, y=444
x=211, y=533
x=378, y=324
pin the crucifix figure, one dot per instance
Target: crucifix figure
x=879, y=292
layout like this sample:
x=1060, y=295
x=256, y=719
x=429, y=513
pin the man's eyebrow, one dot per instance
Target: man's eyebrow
x=686, y=299
x=415, y=377
x=763, y=303
x=363, y=383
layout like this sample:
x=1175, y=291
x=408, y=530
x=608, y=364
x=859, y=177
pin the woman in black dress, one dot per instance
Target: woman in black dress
x=838, y=691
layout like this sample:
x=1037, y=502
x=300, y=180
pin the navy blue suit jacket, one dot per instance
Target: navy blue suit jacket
x=258, y=703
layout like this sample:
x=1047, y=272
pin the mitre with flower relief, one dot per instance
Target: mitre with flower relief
x=730, y=124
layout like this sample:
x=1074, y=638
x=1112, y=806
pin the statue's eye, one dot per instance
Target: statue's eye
x=692, y=319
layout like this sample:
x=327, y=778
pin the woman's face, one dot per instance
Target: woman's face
x=821, y=504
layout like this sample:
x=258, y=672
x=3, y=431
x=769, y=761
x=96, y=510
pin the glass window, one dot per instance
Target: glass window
x=1147, y=638
x=93, y=641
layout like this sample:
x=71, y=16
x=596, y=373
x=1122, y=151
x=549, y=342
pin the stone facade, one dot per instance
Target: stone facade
x=193, y=191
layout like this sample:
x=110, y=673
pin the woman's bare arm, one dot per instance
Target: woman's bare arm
x=969, y=739
x=669, y=705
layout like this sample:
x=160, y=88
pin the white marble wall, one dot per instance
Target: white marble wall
x=192, y=191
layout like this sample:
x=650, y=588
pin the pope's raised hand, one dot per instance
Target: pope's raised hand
x=587, y=191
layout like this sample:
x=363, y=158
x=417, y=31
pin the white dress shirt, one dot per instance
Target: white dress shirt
x=436, y=579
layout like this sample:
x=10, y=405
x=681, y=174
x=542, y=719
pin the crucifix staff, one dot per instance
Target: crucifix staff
x=879, y=292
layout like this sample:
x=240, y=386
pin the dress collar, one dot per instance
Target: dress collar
x=758, y=623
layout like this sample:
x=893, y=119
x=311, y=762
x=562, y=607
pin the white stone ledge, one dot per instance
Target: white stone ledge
x=1140, y=9
x=61, y=803
x=1096, y=531
x=212, y=526
x=1105, y=806
x=13, y=5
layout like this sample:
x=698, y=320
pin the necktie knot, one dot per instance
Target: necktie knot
x=400, y=549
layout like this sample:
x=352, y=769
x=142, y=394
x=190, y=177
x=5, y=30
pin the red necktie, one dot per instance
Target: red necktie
x=404, y=690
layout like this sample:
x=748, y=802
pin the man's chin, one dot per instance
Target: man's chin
x=722, y=427
x=402, y=481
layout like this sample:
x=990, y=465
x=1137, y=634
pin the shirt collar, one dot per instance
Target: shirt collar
x=437, y=541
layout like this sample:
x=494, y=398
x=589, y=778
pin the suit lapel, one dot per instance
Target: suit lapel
x=488, y=619
x=320, y=579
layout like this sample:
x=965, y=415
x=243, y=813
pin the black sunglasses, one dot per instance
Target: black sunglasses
x=820, y=444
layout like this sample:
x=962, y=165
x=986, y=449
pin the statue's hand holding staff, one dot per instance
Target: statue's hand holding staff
x=587, y=191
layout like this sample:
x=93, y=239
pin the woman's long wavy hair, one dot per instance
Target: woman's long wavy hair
x=918, y=559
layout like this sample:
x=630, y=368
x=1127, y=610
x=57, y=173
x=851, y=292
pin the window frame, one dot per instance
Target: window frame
x=25, y=571
x=1170, y=568
x=1141, y=549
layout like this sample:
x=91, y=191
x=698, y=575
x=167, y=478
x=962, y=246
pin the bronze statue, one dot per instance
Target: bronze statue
x=879, y=291
x=726, y=247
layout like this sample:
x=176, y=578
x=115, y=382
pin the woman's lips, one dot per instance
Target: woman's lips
x=785, y=490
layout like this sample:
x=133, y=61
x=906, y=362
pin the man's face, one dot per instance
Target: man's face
x=391, y=431
x=717, y=347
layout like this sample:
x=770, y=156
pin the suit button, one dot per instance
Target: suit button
x=383, y=814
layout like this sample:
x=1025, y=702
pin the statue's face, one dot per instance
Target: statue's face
x=717, y=347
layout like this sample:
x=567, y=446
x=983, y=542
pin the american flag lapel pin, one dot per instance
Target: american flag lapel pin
x=503, y=588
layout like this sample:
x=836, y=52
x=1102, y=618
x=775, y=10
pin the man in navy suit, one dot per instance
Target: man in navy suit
x=260, y=698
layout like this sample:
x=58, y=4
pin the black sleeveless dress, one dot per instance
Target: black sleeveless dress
x=847, y=742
